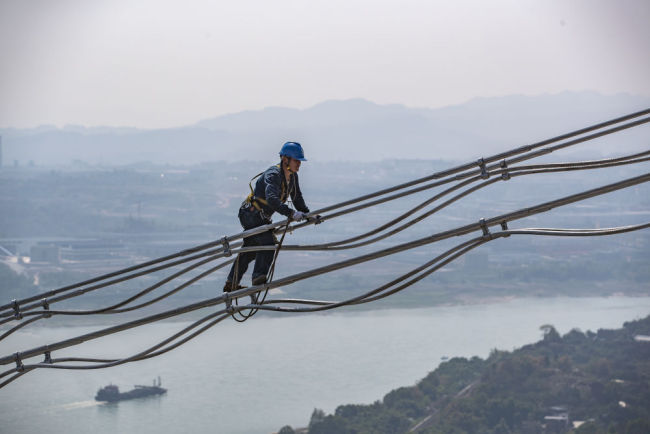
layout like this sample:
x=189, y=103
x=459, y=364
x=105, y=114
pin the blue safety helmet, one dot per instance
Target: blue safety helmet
x=293, y=150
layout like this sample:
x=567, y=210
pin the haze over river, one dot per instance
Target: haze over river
x=257, y=376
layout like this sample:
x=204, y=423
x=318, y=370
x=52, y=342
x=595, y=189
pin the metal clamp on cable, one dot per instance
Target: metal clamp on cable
x=19, y=363
x=46, y=308
x=504, y=227
x=14, y=305
x=486, y=231
x=228, y=302
x=226, y=246
x=505, y=175
x=48, y=358
x=484, y=173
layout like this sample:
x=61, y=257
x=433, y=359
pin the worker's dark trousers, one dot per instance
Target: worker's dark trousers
x=250, y=218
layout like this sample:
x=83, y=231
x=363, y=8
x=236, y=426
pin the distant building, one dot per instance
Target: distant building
x=558, y=420
x=558, y=423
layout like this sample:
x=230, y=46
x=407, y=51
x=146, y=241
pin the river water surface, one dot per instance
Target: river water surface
x=257, y=376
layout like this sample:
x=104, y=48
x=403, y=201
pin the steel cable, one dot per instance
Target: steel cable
x=512, y=172
x=444, y=259
x=105, y=363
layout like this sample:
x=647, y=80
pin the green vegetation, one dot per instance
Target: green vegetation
x=600, y=381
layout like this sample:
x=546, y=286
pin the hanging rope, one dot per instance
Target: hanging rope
x=241, y=317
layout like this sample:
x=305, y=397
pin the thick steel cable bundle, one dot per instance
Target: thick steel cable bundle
x=466, y=179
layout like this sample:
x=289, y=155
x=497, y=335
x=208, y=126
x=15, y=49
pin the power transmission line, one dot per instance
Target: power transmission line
x=464, y=180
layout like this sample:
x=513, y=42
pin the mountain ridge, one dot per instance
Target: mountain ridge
x=353, y=129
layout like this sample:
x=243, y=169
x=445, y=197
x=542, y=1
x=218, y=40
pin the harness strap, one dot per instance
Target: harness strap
x=255, y=201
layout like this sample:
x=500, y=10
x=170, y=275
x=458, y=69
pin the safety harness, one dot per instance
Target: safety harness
x=256, y=201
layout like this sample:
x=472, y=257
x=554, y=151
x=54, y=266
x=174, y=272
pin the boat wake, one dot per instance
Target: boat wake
x=77, y=405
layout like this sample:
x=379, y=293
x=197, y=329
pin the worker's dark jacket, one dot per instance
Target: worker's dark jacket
x=272, y=187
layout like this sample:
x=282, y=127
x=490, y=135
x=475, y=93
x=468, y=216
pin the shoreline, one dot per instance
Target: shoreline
x=67, y=321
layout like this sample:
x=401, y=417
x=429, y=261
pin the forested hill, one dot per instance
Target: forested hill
x=580, y=382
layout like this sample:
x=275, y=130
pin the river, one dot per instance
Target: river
x=257, y=376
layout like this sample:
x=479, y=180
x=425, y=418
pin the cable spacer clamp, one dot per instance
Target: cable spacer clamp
x=16, y=308
x=484, y=173
x=227, y=301
x=19, y=363
x=226, y=246
x=48, y=357
x=46, y=308
x=485, y=229
x=504, y=227
x=505, y=175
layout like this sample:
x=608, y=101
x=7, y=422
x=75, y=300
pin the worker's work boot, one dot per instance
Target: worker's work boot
x=259, y=280
x=229, y=286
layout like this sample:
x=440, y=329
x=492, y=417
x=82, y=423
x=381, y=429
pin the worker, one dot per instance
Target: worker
x=271, y=191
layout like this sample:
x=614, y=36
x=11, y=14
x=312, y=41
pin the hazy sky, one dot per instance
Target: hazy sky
x=162, y=63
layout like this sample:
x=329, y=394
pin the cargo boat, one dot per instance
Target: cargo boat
x=111, y=393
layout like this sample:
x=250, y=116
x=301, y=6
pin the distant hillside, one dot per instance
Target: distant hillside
x=581, y=382
x=336, y=130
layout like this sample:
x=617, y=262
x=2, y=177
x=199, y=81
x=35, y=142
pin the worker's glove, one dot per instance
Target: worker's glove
x=298, y=215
